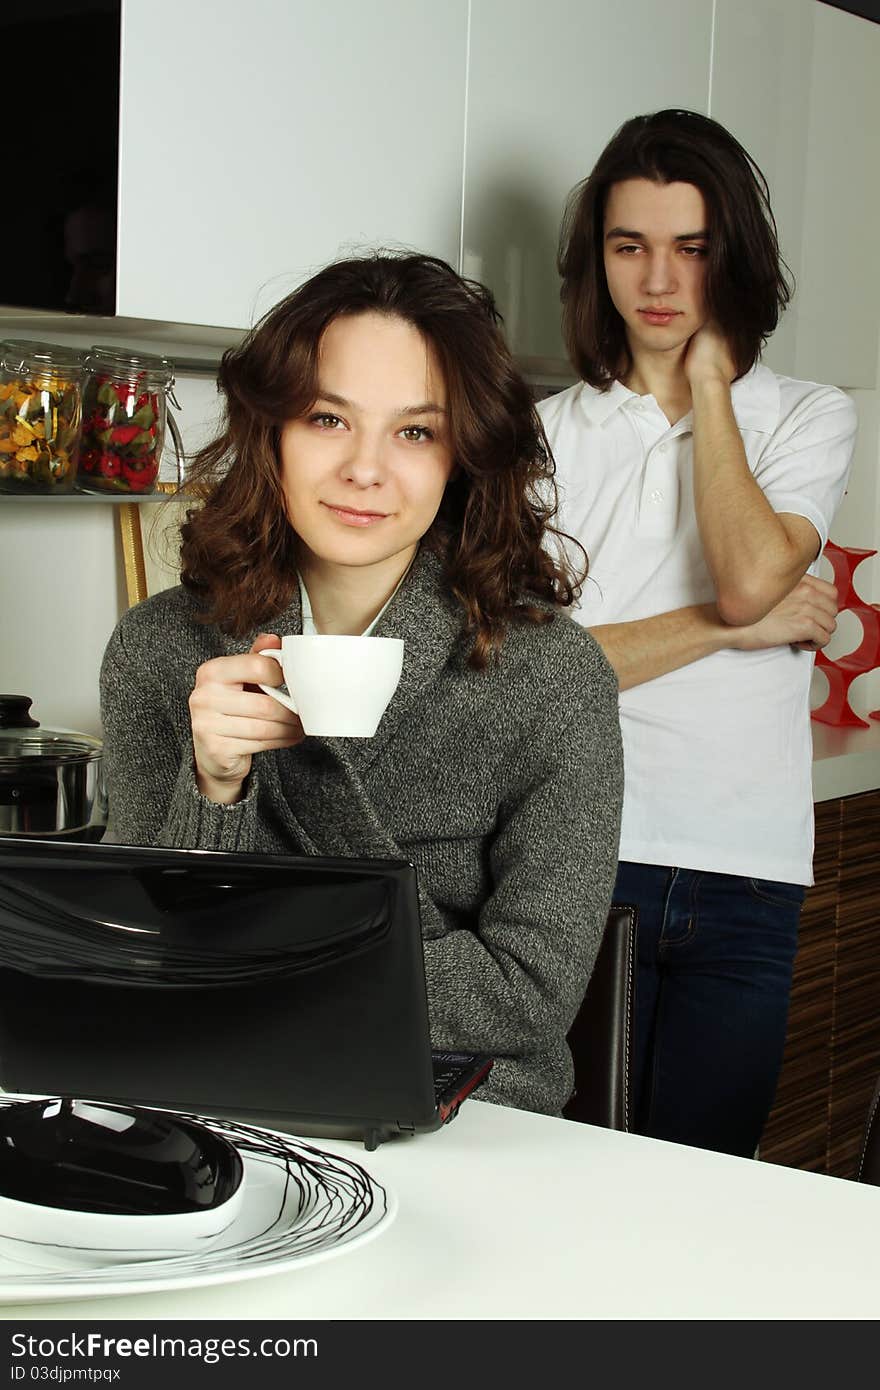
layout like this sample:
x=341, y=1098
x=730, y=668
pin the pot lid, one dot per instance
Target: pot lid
x=22, y=737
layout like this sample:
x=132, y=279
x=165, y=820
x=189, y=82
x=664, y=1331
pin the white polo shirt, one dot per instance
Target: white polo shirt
x=717, y=754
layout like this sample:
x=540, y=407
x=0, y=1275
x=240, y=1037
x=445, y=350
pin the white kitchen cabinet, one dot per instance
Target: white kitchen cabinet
x=797, y=83
x=548, y=86
x=839, y=309
x=761, y=72
x=260, y=140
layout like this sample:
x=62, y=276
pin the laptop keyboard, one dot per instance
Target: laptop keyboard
x=456, y=1074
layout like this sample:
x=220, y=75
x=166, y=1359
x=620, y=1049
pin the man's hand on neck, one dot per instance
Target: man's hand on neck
x=675, y=377
x=708, y=359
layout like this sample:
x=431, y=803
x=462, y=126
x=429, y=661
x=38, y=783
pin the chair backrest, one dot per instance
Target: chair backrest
x=869, y=1161
x=601, y=1036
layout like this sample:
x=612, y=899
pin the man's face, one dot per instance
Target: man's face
x=655, y=248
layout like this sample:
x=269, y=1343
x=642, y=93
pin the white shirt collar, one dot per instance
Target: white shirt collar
x=308, y=621
x=599, y=406
x=755, y=400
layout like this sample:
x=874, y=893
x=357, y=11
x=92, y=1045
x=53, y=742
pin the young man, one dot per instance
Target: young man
x=702, y=486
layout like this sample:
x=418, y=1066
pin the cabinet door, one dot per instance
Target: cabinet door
x=797, y=84
x=839, y=306
x=762, y=56
x=259, y=141
x=548, y=85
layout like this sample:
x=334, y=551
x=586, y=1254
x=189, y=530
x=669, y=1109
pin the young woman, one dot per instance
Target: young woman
x=703, y=486
x=379, y=469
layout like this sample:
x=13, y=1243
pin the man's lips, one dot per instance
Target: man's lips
x=354, y=517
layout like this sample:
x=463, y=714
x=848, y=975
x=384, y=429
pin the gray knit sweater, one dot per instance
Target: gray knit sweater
x=503, y=787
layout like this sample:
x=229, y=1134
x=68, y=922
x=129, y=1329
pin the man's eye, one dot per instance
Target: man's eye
x=628, y=250
x=325, y=421
x=695, y=252
x=414, y=434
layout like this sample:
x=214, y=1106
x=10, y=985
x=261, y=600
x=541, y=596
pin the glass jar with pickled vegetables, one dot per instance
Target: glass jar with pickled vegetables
x=40, y=416
x=125, y=415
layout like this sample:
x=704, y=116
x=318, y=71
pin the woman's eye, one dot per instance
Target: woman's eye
x=325, y=421
x=695, y=252
x=628, y=250
x=414, y=434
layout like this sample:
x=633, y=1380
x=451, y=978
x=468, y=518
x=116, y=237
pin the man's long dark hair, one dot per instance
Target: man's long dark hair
x=747, y=282
x=239, y=551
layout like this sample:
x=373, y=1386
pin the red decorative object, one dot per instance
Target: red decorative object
x=841, y=673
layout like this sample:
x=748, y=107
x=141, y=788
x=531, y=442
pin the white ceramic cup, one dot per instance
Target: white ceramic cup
x=339, y=686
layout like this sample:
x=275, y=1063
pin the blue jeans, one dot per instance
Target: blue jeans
x=715, y=957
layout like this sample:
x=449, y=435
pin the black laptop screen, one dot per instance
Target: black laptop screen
x=197, y=924
x=233, y=983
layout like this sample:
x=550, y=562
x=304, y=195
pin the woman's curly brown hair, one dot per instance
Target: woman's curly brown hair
x=238, y=549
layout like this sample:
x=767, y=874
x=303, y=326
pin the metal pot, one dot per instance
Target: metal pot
x=51, y=780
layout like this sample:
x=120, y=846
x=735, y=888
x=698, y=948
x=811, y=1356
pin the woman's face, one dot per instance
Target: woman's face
x=364, y=470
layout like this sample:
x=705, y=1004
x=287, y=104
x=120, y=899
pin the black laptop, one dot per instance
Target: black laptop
x=282, y=990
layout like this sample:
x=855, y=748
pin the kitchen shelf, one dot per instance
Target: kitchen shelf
x=114, y=499
x=193, y=349
x=81, y=497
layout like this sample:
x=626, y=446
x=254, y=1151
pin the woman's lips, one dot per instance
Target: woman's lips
x=659, y=316
x=351, y=517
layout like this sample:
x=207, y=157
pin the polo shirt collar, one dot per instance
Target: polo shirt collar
x=599, y=406
x=755, y=400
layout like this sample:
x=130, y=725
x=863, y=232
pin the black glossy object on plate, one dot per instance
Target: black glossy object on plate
x=113, y=1159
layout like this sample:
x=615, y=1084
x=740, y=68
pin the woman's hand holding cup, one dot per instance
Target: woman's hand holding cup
x=231, y=720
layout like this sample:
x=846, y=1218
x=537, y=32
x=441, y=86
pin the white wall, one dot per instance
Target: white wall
x=63, y=589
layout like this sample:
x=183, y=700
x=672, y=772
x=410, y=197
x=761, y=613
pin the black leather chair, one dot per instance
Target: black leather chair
x=869, y=1161
x=601, y=1036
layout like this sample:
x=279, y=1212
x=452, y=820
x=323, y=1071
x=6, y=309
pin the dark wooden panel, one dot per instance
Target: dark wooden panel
x=796, y=1134
x=832, y=1055
x=855, y=1047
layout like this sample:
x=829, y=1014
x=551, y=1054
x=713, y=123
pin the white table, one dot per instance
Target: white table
x=509, y=1215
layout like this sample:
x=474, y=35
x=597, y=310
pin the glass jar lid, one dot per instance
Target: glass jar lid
x=29, y=357
x=140, y=368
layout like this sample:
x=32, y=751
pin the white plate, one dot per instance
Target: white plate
x=302, y=1204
